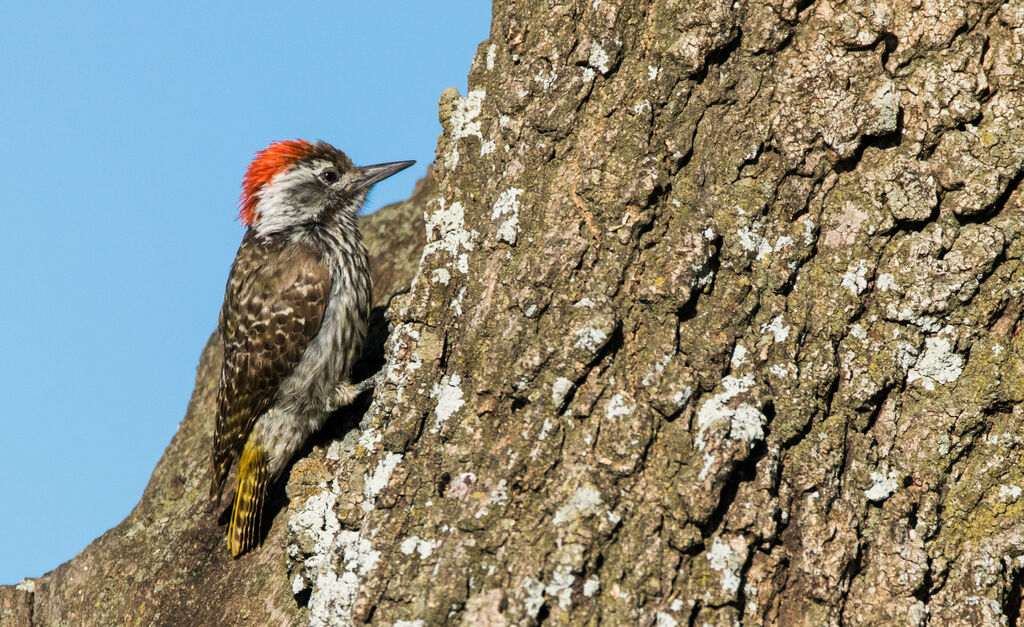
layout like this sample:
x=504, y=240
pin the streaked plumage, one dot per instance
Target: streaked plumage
x=294, y=316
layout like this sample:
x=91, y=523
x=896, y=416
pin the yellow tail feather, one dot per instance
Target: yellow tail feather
x=243, y=532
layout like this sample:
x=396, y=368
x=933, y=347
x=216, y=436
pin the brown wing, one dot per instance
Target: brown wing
x=273, y=307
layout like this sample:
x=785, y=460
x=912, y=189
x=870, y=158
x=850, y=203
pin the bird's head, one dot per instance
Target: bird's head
x=296, y=183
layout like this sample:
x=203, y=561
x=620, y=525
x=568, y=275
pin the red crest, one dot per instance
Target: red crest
x=268, y=162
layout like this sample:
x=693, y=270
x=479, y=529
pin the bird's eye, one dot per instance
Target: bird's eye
x=330, y=175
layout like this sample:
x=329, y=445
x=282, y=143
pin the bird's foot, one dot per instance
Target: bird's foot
x=346, y=393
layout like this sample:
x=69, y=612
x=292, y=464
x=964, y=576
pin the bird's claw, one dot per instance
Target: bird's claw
x=346, y=393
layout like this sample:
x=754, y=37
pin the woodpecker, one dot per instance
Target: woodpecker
x=294, y=318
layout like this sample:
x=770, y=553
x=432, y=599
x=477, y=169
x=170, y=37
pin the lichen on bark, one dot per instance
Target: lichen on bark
x=717, y=307
x=716, y=321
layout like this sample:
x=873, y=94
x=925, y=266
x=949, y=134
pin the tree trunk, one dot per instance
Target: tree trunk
x=716, y=322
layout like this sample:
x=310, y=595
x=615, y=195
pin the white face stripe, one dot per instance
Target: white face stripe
x=277, y=207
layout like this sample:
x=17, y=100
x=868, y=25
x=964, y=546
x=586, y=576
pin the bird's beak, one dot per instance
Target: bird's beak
x=370, y=174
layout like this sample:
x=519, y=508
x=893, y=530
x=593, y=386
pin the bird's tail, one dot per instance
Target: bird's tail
x=243, y=532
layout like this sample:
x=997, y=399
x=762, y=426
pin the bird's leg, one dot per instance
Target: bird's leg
x=371, y=381
x=346, y=392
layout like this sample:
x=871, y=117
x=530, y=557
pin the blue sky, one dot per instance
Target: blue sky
x=124, y=133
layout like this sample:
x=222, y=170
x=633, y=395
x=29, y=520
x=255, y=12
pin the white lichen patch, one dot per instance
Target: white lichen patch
x=591, y=586
x=545, y=429
x=882, y=486
x=751, y=592
x=449, y=399
x=559, y=389
x=906, y=355
x=336, y=450
x=1009, y=493
x=507, y=207
x=464, y=122
x=709, y=462
x=739, y=355
x=616, y=407
x=938, y=364
x=417, y=545
x=808, y=231
x=855, y=277
x=590, y=339
x=723, y=558
x=533, y=597
x=399, y=371
x=661, y=619
x=886, y=103
x=752, y=240
x=440, y=275
x=374, y=484
x=599, y=59
x=332, y=592
x=779, y=331
x=652, y=72
x=682, y=396
x=586, y=501
x=446, y=231
x=457, y=303
x=491, y=50
x=746, y=422
x=561, y=586
x=644, y=106
x=545, y=80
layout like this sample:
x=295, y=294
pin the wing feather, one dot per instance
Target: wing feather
x=273, y=307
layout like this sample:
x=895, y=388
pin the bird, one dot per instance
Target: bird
x=294, y=319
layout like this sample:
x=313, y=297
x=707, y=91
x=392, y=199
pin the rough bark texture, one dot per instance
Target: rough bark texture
x=716, y=322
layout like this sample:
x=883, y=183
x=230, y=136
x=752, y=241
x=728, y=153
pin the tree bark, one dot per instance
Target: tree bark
x=716, y=320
